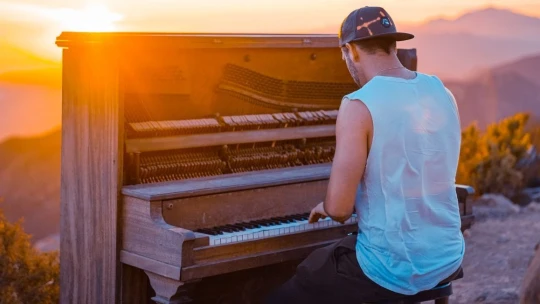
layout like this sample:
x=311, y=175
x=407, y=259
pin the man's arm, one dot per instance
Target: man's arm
x=353, y=126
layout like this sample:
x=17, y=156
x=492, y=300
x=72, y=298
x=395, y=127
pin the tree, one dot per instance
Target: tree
x=26, y=275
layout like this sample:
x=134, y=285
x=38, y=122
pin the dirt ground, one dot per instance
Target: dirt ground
x=498, y=251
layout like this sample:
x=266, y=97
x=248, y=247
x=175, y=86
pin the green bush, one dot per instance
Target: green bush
x=26, y=275
x=488, y=160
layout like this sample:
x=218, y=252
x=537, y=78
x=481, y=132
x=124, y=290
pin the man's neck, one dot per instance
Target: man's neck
x=384, y=66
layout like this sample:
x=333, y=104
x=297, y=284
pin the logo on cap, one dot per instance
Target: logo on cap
x=385, y=22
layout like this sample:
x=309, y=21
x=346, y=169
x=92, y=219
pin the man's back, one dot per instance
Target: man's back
x=409, y=229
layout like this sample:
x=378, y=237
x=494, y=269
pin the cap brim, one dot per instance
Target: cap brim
x=395, y=36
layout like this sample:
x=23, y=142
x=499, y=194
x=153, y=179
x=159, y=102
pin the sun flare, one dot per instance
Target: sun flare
x=92, y=18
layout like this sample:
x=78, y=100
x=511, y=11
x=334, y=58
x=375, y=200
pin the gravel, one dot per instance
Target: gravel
x=499, y=247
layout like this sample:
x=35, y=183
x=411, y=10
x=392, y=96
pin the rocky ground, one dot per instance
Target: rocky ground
x=499, y=247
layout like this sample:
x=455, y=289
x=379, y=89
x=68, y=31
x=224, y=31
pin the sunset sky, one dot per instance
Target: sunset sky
x=34, y=24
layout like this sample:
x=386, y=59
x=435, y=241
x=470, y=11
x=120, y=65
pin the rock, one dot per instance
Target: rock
x=530, y=288
x=522, y=199
x=481, y=298
x=499, y=202
x=502, y=240
x=533, y=182
x=507, y=296
x=534, y=193
x=532, y=207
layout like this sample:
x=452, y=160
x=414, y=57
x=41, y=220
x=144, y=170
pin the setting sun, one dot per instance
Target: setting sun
x=95, y=18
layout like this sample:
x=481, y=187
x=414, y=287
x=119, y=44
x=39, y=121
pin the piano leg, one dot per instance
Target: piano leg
x=169, y=291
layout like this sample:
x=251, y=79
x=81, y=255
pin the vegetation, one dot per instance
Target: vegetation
x=489, y=161
x=26, y=275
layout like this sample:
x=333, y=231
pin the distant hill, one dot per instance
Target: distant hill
x=499, y=92
x=28, y=108
x=474, y=41
x=462, y=55
x=30, y=182
x=489, y=22
x=461, y=47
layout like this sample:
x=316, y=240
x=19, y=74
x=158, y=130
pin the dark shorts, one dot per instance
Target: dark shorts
x=331, y=275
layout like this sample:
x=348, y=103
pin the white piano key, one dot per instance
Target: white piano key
x=273, y=231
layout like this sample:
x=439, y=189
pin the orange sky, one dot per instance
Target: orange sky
x=28, y=29
x=34, y=24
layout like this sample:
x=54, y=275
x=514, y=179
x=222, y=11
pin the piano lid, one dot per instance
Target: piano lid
x=199, y=40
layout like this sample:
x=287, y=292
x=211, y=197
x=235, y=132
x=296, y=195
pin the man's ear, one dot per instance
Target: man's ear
x=353, y=51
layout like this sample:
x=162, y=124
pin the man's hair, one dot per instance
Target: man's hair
x=374, y=45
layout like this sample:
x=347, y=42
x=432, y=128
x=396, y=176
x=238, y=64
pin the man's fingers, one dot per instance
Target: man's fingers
x=313, y=217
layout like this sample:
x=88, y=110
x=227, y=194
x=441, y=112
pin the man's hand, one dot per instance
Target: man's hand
x=317, y=213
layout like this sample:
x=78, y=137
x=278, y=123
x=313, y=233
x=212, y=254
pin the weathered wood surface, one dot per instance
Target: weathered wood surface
x=167, y=291
x=91, y=177
x=530, y=288
x=136, y=287
x=227, y=183
x=208, y=211
x=227, y=138
x=154, y=245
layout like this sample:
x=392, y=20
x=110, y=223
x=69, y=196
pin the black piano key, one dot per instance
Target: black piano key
x=275, y=221
x=207, y=231
x=239, y=227
x=287, y=219
x=281, y=220
x=265, y=223
x=260, y=222
x=232, y=228
x=298, y=217
x=244, y=225
x=249, y=225
x=216, y=231
x=225, y=229
x=255, y=225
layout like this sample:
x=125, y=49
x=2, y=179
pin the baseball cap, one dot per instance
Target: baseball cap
x=369, y=22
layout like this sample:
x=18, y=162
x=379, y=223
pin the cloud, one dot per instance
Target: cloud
x=94, y=17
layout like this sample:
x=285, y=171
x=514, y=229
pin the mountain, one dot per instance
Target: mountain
x=489, y=22
x=30, y=182
x=499, y=92
x=475, y=41
x=462, y=55
x=461, y=47
x=28, y=109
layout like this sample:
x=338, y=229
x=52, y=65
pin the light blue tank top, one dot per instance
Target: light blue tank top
x=409, y=223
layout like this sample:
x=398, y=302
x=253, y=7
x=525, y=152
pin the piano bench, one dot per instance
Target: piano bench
x=440, y=294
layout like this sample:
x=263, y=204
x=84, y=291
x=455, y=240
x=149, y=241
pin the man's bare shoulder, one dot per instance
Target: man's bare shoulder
x=353, y=114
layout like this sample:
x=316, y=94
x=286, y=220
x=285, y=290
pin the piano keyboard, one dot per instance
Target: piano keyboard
x=266, y=228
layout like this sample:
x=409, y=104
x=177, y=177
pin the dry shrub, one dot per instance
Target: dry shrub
x=26, y=275
x=489, y=160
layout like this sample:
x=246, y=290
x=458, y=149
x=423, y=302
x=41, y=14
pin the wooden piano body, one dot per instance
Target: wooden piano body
x=189, y=158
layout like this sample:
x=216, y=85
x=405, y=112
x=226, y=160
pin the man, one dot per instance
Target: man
x=397, y=148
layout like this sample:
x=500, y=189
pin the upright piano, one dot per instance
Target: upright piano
x=189, y=158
